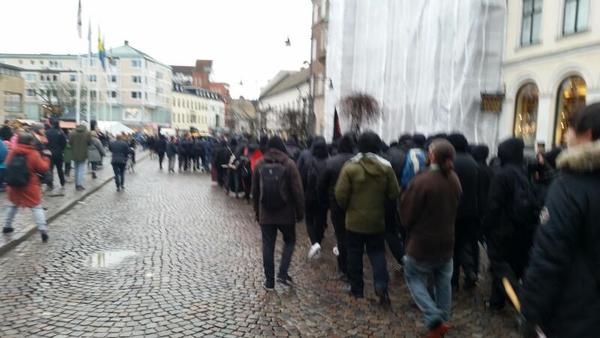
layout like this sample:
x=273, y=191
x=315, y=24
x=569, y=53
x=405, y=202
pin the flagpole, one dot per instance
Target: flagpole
x=89, y=56
x=79, y=70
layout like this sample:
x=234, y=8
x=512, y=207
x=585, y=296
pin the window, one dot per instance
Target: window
x=30, y=92
x=12, y=102
x=526, y=110
x=93, y=94
x=532, y=19
x=159, y=75
x=571, y=97
x=136, y=63
x=54, y=78
x=92, y=78
x=575, y=16
x=136, y=95
x=146, y=95
x=72, y=77
x=41, y=62
x=30, y=77
x=136, y=79
x=113, y=78
x=32, y=62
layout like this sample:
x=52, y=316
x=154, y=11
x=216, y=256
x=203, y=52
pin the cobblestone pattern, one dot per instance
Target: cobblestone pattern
x=197, y=272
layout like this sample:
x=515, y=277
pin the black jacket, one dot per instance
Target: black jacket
x=161, y=145
x=562, y=284
x=397, y=157
x=57, y=141
x=120, y=151
x=171, y=149
x=314, y=169
x=467, y=171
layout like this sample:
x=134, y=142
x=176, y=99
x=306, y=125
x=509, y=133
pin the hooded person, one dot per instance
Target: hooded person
x=561, y=289
x=278, y=202
x=511, y=219
x=292, y=147
x=79, y=139
x=28, y=195
x=365, y=183
x=467, y=218
x=57, y=142
x=316, y=212
x=326, y=191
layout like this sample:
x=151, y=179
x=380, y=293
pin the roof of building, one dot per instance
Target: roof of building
x=5, y=66
x=38, y=56
x=126, y=51
x=243, y=108
x=188, y=70
x=197, y=91
x=285, y=80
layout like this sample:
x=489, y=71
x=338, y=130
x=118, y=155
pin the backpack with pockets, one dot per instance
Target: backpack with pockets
x=272, y=177
x=525, y=208
x=16, y=173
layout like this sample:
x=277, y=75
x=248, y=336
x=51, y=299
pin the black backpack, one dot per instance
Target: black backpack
x=16, y=174
x=272, y=179
x=525, y=209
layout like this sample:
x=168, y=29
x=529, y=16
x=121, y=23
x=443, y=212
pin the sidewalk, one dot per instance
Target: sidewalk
x=56, y=205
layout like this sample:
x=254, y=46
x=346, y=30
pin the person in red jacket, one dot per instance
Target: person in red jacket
x=29, y=196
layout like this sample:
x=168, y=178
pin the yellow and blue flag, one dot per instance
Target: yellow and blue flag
x=101, y=51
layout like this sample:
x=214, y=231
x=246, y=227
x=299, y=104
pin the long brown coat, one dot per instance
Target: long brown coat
x=292, y=190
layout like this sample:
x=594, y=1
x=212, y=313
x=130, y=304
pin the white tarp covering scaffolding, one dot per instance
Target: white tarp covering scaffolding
x=427, y=63
x=113, y=127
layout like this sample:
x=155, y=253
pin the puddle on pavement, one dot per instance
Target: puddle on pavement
x=108, y=259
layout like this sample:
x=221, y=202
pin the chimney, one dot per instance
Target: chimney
x=126, y=42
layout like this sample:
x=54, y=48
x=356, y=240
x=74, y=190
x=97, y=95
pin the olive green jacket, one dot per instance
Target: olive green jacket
x=364, y=185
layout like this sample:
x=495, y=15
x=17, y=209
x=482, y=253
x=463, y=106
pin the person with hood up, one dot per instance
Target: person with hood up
x=511, y=220
x=258, y=153
x=278, y=202
x=366, y=182
x=120, y=150
x=316, y=212
x=467, y=218
x=29, y=195
x=161, y=147
x=394, y=232
x=293, y=150
x=428, y=210
x=326, y=187
x=95, y=153
x=561, y=289
x=485, y=174
x=172, y=153
x=79, y=141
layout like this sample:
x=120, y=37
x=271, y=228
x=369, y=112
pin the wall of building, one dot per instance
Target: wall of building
x=547, y=63
x=12, y=91
x=190, y=111
x=274, y=106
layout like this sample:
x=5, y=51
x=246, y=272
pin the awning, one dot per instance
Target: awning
x=67, y=125
x=114, y=127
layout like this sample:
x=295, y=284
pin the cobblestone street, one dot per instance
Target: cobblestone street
x=172, y=256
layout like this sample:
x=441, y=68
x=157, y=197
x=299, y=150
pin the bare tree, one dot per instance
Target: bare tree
x=59, y=97
x=360, y=108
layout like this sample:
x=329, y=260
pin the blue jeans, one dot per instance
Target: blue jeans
x=38, y=217
x=79, y=173
x=436, y=308
x=375, y=247
x=119, y=170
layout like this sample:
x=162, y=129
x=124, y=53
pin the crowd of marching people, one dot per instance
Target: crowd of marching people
x=30, y=154
x=438, y=202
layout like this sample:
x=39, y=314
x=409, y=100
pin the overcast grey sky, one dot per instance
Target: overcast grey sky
x=244, y=37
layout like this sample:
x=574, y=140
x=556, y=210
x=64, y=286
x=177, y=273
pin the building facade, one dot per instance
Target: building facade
x=197, y=108
x=284, y=104
x=133, y=88
x=12, y=90
x=244, y=114
x=550, y=67
x=319, y=82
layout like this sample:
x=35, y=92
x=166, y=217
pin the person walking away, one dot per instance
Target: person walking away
x=394, y=233
x=133, y=146
x=292, y=148
x=95, y=153
x=120, y=152
x=40, y=142
x=57, y=141
x=485, y=174
x=24, y=164
x=258, y=154
x=326, y=188
x=366, y=182
x=428, y=210
x=79, y=139
x=467, y=221
x=316, y=212
x=278, y=202
x=161, y=148
x=171, y=153
x=561, y=289
x=3, y=154
x=511, y=220
x=67, y=159
x=414, y=162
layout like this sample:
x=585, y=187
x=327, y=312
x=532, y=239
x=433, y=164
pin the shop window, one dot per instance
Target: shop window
x=526, y=111
x=571, y=97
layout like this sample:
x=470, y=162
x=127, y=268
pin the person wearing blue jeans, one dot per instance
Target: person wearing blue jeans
x=79, y=174
x=436, y=308
x=428, y=211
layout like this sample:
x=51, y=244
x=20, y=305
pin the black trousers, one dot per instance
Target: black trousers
x=269, y=237
x=161, y=158
x=375, y=247
x=119, y=170
x=392, y=232
x=338, y=219
x=57, y=161
x=464, y=255
x=316, y=221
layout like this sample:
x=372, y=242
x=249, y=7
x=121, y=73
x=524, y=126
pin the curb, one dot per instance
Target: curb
x=61, y=211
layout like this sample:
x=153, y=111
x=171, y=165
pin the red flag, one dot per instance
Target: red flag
x=337, y=131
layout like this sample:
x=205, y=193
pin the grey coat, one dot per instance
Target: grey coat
x=95, y=150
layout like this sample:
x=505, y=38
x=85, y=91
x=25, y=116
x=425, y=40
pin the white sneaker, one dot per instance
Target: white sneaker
x=336, y=251
x=314, y=251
